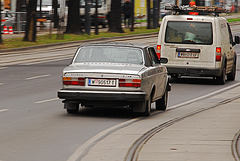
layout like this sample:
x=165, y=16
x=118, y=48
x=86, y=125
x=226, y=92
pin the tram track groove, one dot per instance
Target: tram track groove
x=136, y=148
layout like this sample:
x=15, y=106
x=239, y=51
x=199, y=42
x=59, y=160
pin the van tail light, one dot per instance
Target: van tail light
x=101, y=17
x=130, y=83
x=218, y=54
x=73, y=81
x=159, y=51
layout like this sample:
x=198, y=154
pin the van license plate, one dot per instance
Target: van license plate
x=187, y=55
x=102, y=82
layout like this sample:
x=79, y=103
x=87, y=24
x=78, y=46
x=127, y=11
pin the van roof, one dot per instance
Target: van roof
x=193, y=18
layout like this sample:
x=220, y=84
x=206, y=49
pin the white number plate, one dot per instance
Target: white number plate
x=187, y=55
x=101, y=82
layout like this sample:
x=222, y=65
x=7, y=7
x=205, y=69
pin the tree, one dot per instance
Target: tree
x=31, y=30
x=74, y=25
x=115, y=17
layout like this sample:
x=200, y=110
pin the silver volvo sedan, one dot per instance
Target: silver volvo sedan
x=115, y=74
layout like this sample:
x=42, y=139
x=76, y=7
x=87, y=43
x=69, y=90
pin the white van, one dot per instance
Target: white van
x=198, y=45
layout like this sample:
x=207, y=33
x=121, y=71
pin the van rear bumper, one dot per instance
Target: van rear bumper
x=206, y=72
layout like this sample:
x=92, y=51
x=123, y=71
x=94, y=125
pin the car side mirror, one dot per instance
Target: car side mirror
x=163, y=60
x=236, y=40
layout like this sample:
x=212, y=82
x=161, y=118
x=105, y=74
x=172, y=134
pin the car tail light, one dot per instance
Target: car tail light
x=218, y=54
x=130, y=83
x=74, y=81
x=159, y=51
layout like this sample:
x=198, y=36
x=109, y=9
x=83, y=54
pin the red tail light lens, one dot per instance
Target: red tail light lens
x=159, y=51
x=218, y=54
x=130, y=83
x=74, y=81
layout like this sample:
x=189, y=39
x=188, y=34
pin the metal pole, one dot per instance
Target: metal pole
x=155, y=21
x=96, y=18
x=132, y=16
x=87, y=17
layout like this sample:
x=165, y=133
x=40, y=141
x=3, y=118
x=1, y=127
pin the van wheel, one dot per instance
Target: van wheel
x=161, y=104
x=231, y=76
x=222, y=78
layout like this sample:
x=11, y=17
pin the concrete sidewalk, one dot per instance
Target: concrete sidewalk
x=208, y=130
x=206, y=136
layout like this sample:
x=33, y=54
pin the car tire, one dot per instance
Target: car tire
x=71, y=108
x=231, y=76
x=147, y=108
x=222, y=78
x=161, y=104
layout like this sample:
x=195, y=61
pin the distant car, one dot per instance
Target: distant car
x=115, y=74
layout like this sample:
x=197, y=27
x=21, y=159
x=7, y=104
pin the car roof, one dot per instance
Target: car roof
x=117, y=44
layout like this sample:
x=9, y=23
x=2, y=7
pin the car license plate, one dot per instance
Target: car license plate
x=187, y=55
x=101, y=82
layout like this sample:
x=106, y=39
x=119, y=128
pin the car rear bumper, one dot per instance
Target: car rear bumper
x=194, y=71
x=101, y=95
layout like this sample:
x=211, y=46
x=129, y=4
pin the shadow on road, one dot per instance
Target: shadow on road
x=105, y=112
x=194, y=80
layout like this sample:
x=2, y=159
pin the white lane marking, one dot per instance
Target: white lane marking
x=3, y=67
x=40, y=76
x=49, y=100
x=1, y=84
x=83, y=149
x=3, y=110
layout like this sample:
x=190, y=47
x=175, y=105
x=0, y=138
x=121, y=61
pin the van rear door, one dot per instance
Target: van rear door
x=188, y=43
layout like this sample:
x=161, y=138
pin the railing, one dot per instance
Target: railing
x=17, y=20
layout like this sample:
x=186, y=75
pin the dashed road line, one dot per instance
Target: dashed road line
x=35, y=77
x=3, y=68
x=48, y=100
x=4, y=110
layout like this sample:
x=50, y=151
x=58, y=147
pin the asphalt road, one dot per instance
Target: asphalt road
x=35, y=127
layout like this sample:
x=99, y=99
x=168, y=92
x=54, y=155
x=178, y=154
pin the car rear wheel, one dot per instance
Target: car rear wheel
x=147, y=108
x=161, y=104
x=71, y=107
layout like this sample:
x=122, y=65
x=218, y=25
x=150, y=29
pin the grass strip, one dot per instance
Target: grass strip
x=50, y=39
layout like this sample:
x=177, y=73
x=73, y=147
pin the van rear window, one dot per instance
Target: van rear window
x=182, y=32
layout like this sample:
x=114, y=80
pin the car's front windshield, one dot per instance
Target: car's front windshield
x=109, y=54
x=182, y=32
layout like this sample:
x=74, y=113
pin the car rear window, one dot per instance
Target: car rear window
x=182, y=32
x=109, y=54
